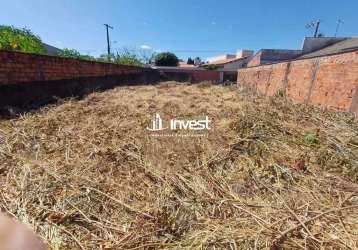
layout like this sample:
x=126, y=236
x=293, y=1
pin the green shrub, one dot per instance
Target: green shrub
x=311, y=138
x=72, y=53
x=127, y=57
x=166, y=59
x=124, y=57
x=15, y=39
x=211, y=67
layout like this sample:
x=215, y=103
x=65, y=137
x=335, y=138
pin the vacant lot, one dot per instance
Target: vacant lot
x=85, y=174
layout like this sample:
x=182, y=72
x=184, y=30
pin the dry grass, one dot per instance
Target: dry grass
x=270, y=174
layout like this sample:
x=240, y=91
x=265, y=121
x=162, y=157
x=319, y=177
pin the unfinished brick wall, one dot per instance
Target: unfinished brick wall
x=21, y=67
x=199, y=76
x=329, y=82
x=194, y=75
x=28, y=81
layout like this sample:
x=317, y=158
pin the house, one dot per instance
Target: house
x=311, y=44
x=220, y=57
x=339, y=46
x=230, y=62
x=183, y=64
x=267, y=56
x=312, y=47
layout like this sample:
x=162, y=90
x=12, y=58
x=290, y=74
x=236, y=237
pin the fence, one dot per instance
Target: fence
x=328, y=82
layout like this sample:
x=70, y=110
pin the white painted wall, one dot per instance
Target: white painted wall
x=234, y=65
x=220, y=57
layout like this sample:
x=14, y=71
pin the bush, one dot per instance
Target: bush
x=197, y=61
x=211, y=67
x=23, y=40
x=311, y=138
x=72, y=53
x=124, y=57
x=127, y=57
x=166, y=59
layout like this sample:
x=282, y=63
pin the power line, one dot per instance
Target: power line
x=174, y=51
x=191, y=51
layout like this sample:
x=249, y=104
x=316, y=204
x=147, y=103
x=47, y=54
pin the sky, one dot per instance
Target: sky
x=187, y=27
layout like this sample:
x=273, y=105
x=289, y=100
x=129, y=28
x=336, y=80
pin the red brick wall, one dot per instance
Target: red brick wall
x=328, y=82
x=299, y=80
x=199, y=76
x=192, y=75
x=277, y=78
x=21, y=67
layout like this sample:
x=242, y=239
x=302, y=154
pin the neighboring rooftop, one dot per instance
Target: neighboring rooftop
x=224, y=61
x=185, y=65
x=345, y=45
x=267, y=56
x=311, y=44
x=220, y=57
x=273, y=55
x=51, y=50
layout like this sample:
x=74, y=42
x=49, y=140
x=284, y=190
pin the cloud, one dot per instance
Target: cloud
x=144, y=46
x=213, y=23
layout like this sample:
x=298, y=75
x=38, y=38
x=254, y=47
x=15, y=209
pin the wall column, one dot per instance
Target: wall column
x=313, y=80
x=285, y=77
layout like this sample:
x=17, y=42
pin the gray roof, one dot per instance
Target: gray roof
x=279, y=54
x=51, y=50
x=311, y=44
x=347, y=45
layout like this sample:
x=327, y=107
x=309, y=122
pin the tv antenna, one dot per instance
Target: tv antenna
x=314, y=24
x=339, y=22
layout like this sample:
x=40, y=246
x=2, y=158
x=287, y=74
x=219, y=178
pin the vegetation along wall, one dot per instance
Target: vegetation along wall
x=28, y=80
x=329, y=82
x=18, y=67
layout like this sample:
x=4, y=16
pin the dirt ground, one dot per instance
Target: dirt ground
x=86, y=174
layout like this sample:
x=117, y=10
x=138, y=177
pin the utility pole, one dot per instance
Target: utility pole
x=339, y=22
x=317, y=27
x=108, y=43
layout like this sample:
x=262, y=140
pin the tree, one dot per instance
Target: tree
x=166, y=59
x=190, y=61
x=197, y=60
x=146, y=55
x=23, y=40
